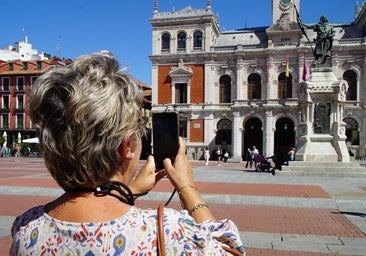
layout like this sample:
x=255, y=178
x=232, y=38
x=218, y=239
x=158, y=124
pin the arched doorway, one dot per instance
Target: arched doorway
x=352, y=132
x=351, y=77
x=223, y=134
x=353, y=136
x=284, y=139
x=253, y=135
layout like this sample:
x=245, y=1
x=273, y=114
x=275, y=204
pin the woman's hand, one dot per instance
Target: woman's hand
x=146, y=178
x=180, y=173
x=181, y=176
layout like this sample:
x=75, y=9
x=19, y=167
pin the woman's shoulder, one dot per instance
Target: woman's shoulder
x=27, y=217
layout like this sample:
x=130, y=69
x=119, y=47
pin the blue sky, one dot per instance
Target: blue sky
x=122, y=26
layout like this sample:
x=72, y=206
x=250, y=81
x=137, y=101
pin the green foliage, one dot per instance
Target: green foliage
x=23, y=147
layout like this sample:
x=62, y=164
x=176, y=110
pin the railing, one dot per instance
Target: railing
x=288, y=102
x=357, y=41
x=260, y=102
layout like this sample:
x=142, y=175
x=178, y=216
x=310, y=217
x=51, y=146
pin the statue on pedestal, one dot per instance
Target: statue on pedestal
x=323, y=41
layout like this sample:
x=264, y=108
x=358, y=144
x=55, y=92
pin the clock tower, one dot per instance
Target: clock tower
x=284, y=8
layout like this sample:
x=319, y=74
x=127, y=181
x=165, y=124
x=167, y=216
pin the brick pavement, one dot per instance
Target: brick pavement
x=254, y=201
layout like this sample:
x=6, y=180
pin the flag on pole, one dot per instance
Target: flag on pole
x=287, y=67
x=304, y=71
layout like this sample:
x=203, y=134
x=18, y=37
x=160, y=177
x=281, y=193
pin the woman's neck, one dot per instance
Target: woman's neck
x=86, y=207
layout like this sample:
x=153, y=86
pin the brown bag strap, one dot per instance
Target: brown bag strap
x=232, y=251
x=160, y=233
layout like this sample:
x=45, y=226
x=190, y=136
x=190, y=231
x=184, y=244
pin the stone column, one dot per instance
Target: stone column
x=172, y=91
x=271, y=90
x=155, y=92
x=339, y=127
x=239, y=80
x=209, y=128
x=268, y=147
x=209, y=83
x=236, y=137
x=244, y=83
x=188, y=91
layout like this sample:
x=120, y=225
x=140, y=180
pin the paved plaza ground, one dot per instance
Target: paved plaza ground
x=276, y=214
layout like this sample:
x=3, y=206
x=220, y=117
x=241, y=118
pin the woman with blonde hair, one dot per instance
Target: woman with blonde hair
x=88, y=119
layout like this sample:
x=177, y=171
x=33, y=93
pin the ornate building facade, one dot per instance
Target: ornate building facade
x=238, y=89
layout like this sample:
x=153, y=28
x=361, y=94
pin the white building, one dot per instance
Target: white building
x=231, y=88
x=21, y=50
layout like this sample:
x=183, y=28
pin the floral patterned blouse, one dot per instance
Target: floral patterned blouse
x=36, y=233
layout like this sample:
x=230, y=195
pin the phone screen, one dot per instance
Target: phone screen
x=165, y=137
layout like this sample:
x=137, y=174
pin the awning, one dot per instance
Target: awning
x=31, y=140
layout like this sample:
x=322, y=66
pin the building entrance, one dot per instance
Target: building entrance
x=253, y=135
x=284, y=139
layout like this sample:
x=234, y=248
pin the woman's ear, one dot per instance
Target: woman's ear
x=126, y=148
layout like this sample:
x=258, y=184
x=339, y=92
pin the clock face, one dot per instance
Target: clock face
x=285, y=2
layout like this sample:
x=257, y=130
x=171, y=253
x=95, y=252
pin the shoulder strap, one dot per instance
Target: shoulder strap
x=161, y=240
x=232, y=251
x=160, y=231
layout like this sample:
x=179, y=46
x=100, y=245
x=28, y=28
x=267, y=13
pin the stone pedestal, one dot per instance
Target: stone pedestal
x=318, y=148
x=323, y=169
x=321, y=129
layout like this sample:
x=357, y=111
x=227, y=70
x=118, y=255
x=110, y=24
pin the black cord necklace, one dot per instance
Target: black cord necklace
x=125, y=193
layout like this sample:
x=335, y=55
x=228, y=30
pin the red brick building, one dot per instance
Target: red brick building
x=16, y=80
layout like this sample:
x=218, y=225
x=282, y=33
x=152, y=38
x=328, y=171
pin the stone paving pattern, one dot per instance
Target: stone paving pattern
x=276, y=215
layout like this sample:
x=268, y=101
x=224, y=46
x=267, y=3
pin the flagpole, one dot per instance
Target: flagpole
x=287, y=75
x=302, y=28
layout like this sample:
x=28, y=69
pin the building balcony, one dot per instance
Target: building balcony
x=5, y=109
x=16, y=91
x=236, y=105
x=354, y=104
x=351, y=41
x=291, y=102
x=18, y=109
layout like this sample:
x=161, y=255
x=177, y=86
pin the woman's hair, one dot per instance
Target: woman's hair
x=82, y=113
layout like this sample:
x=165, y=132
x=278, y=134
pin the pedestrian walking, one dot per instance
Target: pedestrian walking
x=206, y=155
x=17, y=152
x=249, y=159
x=255, y=152
x=218, y=155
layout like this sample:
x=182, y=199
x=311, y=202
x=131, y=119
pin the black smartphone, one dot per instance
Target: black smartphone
x=165, y=137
